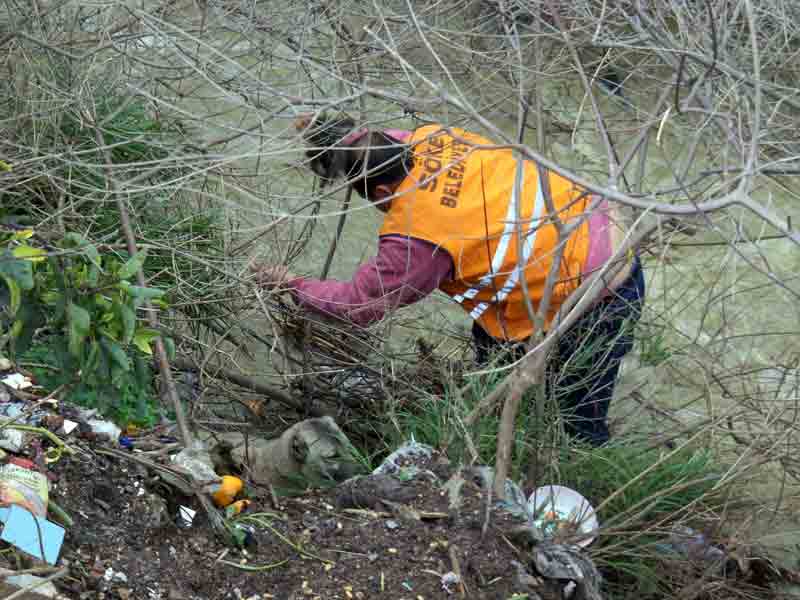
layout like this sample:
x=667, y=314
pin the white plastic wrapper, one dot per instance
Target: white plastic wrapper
x=409, y=451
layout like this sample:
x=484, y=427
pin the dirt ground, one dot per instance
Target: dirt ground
x=340, y=543
x=386, y=536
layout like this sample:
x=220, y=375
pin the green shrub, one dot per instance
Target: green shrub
x=74, y=311
x=69, y=302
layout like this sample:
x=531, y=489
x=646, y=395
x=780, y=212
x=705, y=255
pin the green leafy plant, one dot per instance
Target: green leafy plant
x=81, y=309
x=70, y=304
x=185, y=232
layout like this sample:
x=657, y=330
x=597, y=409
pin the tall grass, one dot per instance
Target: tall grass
x=646, y=494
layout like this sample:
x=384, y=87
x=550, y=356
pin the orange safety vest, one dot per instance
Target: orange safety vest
x=463, y=200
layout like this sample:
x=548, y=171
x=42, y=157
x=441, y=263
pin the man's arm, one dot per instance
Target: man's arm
x=404, y=271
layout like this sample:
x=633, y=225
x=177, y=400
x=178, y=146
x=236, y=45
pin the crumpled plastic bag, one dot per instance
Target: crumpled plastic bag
x=14, y=439
x=408, y=452
x=515, y=501
x=197, y=461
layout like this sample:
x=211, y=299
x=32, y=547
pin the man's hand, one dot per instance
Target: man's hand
x=271, y=276
x=302, y=122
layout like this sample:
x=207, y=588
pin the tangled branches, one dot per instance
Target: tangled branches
x=682, y=114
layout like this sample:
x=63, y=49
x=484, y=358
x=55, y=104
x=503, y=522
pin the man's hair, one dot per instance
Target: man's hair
x=378, y=160
x=373, y=159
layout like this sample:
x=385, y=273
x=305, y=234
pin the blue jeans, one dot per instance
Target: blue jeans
x=584, y=366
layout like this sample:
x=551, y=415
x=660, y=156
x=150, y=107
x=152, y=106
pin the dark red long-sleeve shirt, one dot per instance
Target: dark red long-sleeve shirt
x=403, y=271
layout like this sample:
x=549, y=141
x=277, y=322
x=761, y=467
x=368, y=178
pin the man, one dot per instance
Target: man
x=452, y=224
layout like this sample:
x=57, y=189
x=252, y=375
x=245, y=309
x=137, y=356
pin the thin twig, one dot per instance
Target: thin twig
x=130, y=239
x=452, y=552
x=37, y=584
x=339, y=227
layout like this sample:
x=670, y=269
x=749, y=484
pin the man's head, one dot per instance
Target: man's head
x=374, y=163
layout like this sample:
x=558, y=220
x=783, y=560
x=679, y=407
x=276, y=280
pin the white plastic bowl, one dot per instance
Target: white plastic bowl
x=552, y=503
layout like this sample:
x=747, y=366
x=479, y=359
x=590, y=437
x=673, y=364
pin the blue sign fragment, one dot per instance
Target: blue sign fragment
x=31, y=534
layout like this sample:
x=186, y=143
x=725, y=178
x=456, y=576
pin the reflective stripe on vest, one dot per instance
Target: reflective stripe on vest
x=502, y=246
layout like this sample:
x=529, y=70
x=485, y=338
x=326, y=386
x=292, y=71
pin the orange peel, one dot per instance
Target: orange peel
x=227, y=491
